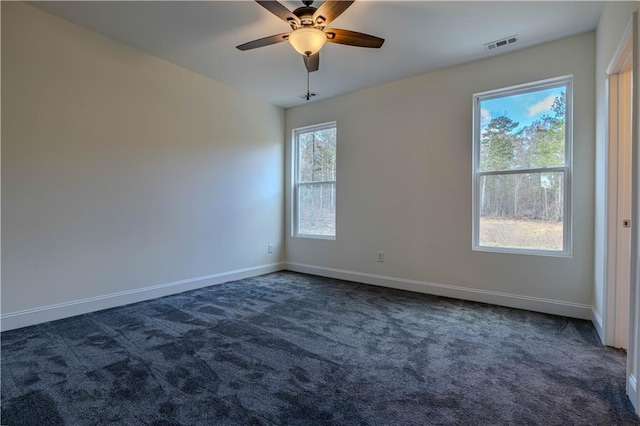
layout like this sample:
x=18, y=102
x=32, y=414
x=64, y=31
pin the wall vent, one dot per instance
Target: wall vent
x=502, y=42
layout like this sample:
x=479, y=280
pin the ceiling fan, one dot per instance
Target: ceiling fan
x=309, y=30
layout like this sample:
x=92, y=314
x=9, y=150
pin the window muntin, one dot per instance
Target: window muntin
x=522, y=169
x=314, y=209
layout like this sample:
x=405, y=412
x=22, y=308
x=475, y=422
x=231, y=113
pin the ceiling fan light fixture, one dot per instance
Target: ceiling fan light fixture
x=307, y=40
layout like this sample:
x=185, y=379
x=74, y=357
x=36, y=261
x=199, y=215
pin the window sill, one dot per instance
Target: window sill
x=315, y=237
x=506, y=250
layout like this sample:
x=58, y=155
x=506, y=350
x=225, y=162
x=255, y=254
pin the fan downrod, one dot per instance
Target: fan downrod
x=307, y=2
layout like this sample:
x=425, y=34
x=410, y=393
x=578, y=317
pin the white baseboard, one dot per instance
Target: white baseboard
x=596, y=319
x=42, y=314
x=632, y=392
x=556, y=307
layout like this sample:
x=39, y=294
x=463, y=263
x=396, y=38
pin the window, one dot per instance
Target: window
x=314, y=209
x=522, y=169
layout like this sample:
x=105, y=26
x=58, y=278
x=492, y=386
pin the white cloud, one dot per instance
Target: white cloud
x=542, y=106
x=485, y=115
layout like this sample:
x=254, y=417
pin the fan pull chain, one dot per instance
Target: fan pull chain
x=308, y=92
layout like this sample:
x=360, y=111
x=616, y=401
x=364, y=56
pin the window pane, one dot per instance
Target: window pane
x=317, y=155
x=526, y=130
x=522, y=211
x=317, y=209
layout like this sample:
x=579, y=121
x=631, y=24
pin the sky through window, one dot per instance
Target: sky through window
x=522, y=109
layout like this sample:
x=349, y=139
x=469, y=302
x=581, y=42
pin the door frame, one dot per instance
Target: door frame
x=631, y=37
x=633, y=352
x=618, y=191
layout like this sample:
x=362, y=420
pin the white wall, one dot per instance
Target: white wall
x=404, y=185
x=613, y=22
x=121, y=172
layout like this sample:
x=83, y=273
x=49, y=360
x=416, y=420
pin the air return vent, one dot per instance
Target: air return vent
x=502, y=42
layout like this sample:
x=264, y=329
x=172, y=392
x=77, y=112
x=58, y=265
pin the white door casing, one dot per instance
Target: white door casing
x=633, y=354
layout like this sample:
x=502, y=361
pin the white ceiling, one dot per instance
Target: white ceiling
x=420, y=36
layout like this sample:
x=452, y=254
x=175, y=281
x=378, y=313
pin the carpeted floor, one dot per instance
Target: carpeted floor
x=294, y=349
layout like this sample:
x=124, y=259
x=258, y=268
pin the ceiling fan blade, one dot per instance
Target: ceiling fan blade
x=312, y=62
x=353, y=38
x=280, y=11
x=330, y=10
x=261, y=42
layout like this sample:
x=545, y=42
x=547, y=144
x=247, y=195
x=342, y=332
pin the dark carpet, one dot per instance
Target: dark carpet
x=295, y=349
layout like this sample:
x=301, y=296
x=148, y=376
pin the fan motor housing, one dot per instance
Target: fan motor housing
x=305, y=13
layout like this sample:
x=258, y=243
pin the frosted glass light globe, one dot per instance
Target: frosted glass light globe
x=307, y=40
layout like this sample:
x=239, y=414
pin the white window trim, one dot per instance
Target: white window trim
x=295, y=184
x=567, y=169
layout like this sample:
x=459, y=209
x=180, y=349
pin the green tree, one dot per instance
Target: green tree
x=497, y=153
x=497, y=144
x=543, y=145
x=317, y=163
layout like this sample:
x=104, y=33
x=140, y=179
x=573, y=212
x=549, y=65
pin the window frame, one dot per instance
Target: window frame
x=295, y=199
x=567, y=169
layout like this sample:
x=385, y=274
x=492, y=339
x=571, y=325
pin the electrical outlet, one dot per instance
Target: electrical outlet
x=269, y=248
x=380, y=256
